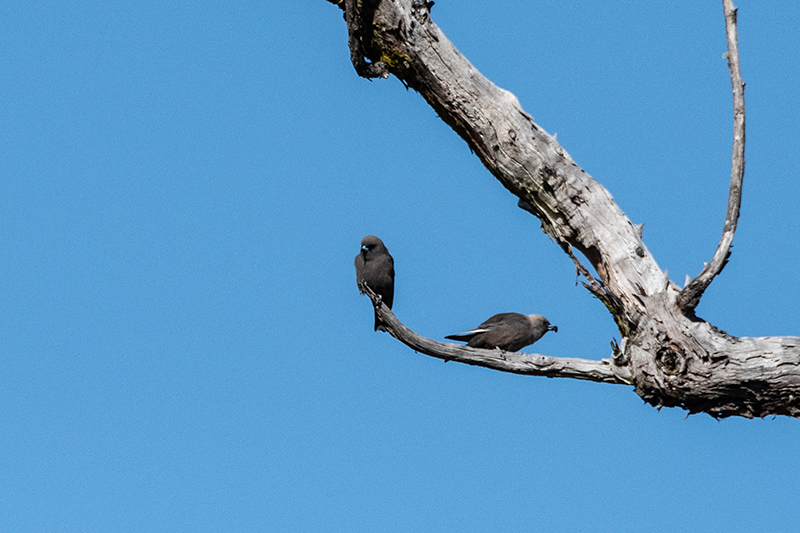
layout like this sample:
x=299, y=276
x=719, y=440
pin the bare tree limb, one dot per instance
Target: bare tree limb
x=602, y=371
x=693, y=291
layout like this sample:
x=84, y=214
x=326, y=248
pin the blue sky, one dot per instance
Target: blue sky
x=183, y=187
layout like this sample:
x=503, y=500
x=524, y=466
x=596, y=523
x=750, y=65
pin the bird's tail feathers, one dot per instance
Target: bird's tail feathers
x=467, y=335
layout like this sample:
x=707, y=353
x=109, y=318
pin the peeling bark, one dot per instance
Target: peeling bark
x=671, y=357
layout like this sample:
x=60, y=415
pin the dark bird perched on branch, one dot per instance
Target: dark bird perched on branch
x=375, y=267
x=508, y=331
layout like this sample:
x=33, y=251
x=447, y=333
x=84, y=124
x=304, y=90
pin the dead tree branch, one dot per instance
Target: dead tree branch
x=691, y=294
x=515, y=362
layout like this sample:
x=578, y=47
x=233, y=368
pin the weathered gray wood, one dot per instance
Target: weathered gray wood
x=690, y=295
x=672, y=357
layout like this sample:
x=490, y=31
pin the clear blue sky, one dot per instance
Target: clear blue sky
x=184, y=185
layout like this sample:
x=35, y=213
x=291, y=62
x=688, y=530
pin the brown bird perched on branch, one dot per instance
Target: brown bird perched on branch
x=508, y=331
x=375, y=267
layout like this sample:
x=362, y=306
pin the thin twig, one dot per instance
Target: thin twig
x=592, y=286
x=515, y=362
x=691, y=294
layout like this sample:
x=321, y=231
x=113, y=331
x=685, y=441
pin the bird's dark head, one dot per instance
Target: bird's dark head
x=371, y=243
x=548, y=326
x=542, y=324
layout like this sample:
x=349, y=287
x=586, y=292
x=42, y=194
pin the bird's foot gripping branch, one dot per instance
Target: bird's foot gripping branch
x=671, y=357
